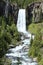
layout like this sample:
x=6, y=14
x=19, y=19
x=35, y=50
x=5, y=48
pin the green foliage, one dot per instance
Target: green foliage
x=33, y=27
x=41, y=62
x=42, y=43
x=22, y=3
x=7, y=61
x=35, y=44
x=8, y=35
x=39, y=56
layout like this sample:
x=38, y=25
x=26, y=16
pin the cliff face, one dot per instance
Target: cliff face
x=35, y=11
x=7, y=9
x=2, y=8
x=15, y=10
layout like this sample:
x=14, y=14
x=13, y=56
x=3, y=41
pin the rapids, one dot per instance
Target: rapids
x=20, y=53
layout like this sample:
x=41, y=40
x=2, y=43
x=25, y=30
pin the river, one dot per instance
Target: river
x=19, y=54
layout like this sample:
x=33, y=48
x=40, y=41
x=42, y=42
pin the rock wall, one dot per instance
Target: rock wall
x=7, y=9
x=2, y=7
x=31, y=13
x=35, y=11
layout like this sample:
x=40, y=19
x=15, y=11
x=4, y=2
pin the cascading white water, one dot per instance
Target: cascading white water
x=21, y=22
x=21, y=51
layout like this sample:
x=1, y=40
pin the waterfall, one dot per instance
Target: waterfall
x=21, y=23
x=21, y=51
x=6, y=9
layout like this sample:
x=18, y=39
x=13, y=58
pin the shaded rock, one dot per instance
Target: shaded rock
x=15, y=9
x=34, y=12
x=7, y=9
x=35, y=59
x=2, y=7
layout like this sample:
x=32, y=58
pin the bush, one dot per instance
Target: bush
x=35, y=44
x=41, y=62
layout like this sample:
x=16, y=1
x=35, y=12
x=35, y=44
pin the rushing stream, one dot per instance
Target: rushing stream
x=20, y=53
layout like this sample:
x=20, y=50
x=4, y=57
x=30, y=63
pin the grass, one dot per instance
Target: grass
x=33, y=27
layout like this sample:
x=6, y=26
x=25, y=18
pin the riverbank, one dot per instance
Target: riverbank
x=36, y=46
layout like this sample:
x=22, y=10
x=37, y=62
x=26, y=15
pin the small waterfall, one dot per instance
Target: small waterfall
x=6, y=9
x=21, y=23
x=21, y=51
